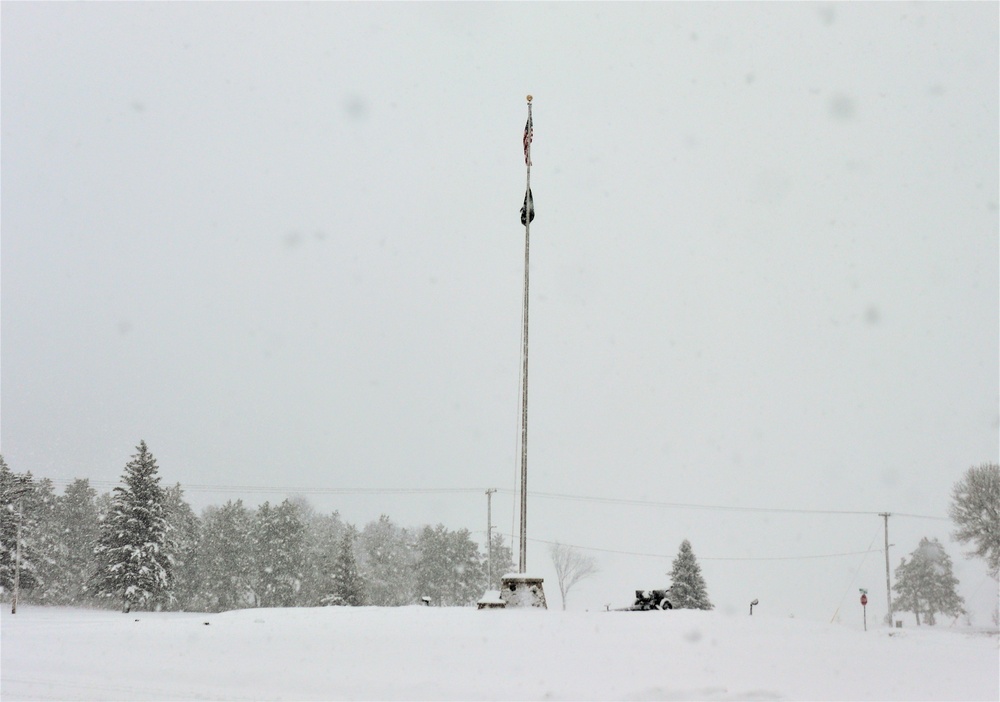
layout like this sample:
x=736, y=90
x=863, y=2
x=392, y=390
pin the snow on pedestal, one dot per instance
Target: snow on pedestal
x=491, y=600
x=520, y=590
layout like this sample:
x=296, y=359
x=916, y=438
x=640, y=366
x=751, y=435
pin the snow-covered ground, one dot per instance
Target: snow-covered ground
x=424, y=653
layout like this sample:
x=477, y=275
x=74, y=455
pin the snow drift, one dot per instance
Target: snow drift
x=430, y=653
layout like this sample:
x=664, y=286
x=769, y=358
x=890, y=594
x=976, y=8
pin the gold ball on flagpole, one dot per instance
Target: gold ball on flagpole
x=529, y=98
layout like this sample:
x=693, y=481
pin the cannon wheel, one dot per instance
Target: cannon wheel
x=664, y=604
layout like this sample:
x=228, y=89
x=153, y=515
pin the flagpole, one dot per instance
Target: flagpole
x=528, y=207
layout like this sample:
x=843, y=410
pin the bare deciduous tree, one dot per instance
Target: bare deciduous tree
x=571, y=567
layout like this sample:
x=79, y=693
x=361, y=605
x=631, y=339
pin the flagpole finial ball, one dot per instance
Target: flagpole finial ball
x=529, y=98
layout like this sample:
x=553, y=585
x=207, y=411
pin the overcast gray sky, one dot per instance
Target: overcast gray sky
x=280, y=243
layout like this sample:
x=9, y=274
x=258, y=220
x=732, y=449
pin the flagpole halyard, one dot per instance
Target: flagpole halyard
x=523, y=590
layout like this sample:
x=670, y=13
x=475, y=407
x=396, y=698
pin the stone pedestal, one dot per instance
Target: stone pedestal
x=491, y=600
x=519, y=590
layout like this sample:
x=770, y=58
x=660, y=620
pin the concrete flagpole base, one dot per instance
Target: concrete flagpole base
x=520, y=590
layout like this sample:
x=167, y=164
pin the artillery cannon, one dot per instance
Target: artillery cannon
x=652, y=599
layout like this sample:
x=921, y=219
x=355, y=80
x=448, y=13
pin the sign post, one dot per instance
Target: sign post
x=864, y=606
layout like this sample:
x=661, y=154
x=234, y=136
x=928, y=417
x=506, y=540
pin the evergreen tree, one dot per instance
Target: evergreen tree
x=279, y=537
x=323, y=536
x=185, y=529
x=347, y=586
x=467, y=568
x=925, y=584
x=503, y=561
x=41, y=535
x=133, y=561
x=688, y=589
x=431, y=573
x=15, y=497
x=975, y=509
x=386, y=563
x=226, y=558
x=449, y=567
x=78, y=520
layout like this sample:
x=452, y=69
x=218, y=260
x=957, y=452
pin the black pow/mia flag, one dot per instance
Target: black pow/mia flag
x=528, y=209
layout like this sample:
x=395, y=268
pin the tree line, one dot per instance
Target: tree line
x=925, y=584
x=143, y=547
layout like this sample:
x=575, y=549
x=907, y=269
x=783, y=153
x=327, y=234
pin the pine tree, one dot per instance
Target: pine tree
x=226, y=558
x=503, y=561
x=688, y=590
x=323, y=536
x=467, y=569
x=925, y=584
x=185, y=529
x=449, y=568
x=74, y=530
x=386, y=563
x=78, y=526
x=279, y=549
x=132, y=555
x=40, y=533
x=347, y=586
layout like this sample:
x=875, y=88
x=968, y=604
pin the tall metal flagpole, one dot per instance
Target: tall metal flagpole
x=528, y=213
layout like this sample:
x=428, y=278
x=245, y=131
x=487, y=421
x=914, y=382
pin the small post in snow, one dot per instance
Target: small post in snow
x=864, y=605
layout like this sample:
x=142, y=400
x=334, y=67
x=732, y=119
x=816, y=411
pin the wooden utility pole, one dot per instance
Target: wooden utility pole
x=17, y=562
x=489, y=537
x=888, y=586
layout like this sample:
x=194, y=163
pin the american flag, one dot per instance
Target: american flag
x=529, y=132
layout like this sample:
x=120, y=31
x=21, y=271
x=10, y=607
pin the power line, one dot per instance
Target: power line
x=713, y=558
x=257, y=489
x=298, y=490
x=682, y=505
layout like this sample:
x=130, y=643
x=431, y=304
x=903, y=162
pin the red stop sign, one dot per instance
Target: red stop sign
x=864, y=600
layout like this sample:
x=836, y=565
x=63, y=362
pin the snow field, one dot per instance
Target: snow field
x=429, y=653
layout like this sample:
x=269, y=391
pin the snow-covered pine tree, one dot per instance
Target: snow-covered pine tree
x=323, y=536
x=431, y=572
x=78, y=526
x=688, y=588
x=226, y=558
x=279, y=538
x=347, y=586
x=386, y=563
x=449, y=568
x=15, y=495
x=925, y=584
x=467, y=569
x=41, y=536
x=185, y=530
x=132, y=555
x=503, y=561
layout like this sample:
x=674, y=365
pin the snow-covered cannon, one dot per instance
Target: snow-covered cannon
x=652, y=599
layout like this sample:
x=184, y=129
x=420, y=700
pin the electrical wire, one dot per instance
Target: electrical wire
x=298, y=490
x=855, y=576
x=711, y=558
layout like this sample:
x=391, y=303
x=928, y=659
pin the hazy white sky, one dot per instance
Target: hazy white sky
x=280, y=243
